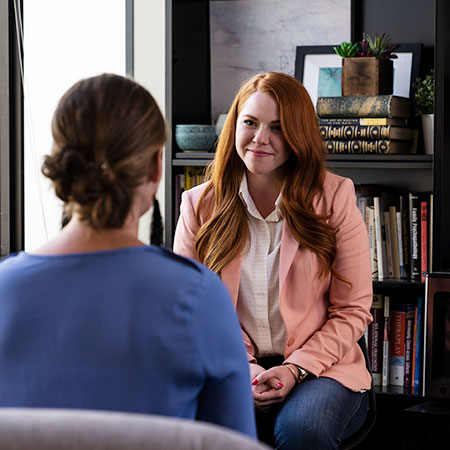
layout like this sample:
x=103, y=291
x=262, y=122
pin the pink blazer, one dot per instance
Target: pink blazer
x=324, y=317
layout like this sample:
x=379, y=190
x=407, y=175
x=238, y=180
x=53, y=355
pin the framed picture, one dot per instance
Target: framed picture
x=318, y=67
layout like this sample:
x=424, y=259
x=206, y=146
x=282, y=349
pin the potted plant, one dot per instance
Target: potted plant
x=367, y=67
x=424, y=107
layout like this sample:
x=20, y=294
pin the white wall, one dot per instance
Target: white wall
x=64, y=40
x=150, y=66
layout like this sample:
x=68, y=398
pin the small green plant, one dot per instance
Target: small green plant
x=379, y=47
x=424, y=94
x=346, y=49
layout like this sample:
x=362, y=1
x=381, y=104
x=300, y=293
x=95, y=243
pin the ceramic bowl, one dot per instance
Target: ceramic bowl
x=195, y=137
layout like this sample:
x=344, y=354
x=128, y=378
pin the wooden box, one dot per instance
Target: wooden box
x=367, y=76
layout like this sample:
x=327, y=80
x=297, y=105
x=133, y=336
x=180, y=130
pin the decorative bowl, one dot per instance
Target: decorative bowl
x=195, y=137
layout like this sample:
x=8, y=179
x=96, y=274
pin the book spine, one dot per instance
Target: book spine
x=401, y=260
x=363, y=132
x=398, y=317
x=376, y=339
x=394, y=241
x=424, y=239
x=404, y=211
x=355, y=106
x=418, y=347
x=365, y=121
x=389, y=245
x=380, y=242
x=414, y=227
x=380, y=147
x=386, y=343
x=177, y=196
x=409, y=331
x=370, y=223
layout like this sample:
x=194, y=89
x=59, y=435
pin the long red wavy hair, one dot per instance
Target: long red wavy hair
x=223, y=235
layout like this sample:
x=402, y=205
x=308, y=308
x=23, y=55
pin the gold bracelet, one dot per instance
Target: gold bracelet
x=292, y=371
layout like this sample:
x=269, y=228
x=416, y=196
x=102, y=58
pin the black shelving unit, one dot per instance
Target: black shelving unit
x=426, y=22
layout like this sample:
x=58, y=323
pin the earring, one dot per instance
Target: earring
x=157, y=229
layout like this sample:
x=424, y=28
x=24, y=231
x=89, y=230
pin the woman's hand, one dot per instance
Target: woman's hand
x=272, y=386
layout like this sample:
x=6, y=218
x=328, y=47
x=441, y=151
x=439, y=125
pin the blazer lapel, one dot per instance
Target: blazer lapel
x=230, y=275
x=289, y=247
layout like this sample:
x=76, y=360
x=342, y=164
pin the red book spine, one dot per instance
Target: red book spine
x=424, y=239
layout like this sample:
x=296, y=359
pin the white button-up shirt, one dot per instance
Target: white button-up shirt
x=258, y=304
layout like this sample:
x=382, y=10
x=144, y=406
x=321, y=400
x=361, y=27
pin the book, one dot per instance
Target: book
x=370, y=224
x=404, y=212
x=398, y=326
x=418, y=336
x=401, y=259
x=409, y=332
x=389, y=245
x=423, y=239
x=397, y=122
x=414, y=232
x=364, y=106
x=385, y=378
x=374, y=147
x=364, y=132
x=430, y=233
x=393, y=228
x=381, y=203
x=376, y=338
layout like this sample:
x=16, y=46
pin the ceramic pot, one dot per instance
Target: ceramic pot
x=428, y=133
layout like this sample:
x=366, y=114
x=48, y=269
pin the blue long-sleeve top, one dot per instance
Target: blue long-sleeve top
x=138, y=329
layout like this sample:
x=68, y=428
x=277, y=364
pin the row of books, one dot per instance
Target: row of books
x=192, y=176
x=395, y=342
x=399, y=226
x=369, y=124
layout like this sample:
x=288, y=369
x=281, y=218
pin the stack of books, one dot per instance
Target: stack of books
x=395, y=343
x=366, y=124
x=399, y=225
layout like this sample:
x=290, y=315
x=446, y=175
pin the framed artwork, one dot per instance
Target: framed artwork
x=318, y=67
x=239, y=50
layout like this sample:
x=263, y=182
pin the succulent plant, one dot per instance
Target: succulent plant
x=346, y=49
x=378, y=47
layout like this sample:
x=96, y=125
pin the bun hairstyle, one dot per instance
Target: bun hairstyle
x=107, y=131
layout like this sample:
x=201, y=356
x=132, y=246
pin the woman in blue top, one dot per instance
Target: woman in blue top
x=94, y=318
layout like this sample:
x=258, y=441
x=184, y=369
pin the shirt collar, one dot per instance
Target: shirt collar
x=244, y=194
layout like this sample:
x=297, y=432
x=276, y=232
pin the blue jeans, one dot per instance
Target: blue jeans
x=317, y=414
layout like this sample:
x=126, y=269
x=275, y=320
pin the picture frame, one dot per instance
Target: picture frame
x=318, y=68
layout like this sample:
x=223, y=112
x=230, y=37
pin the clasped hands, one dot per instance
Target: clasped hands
x=271, y=386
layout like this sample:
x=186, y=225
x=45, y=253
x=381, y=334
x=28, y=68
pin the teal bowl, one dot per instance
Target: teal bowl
x=195, y=137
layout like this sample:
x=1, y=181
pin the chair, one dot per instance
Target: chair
x=356, y=438
x=72, y=429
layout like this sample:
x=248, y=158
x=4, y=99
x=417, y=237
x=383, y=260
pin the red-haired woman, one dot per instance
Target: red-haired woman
x=289, y=242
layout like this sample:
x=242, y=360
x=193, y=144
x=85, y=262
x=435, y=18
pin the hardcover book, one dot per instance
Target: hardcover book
x=394, y=121
x=376, y=339
x=385, y=379
x=414, y=233
x=377, y=147
x=409, y=342
x=364, y=106
x=398, y=329
x=417, y=351
x=364, y=132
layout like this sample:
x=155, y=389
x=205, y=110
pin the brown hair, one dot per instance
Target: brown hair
x=107, y=131
x=222, y=237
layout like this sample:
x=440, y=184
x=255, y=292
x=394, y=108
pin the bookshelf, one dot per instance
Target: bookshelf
x=189, y=102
